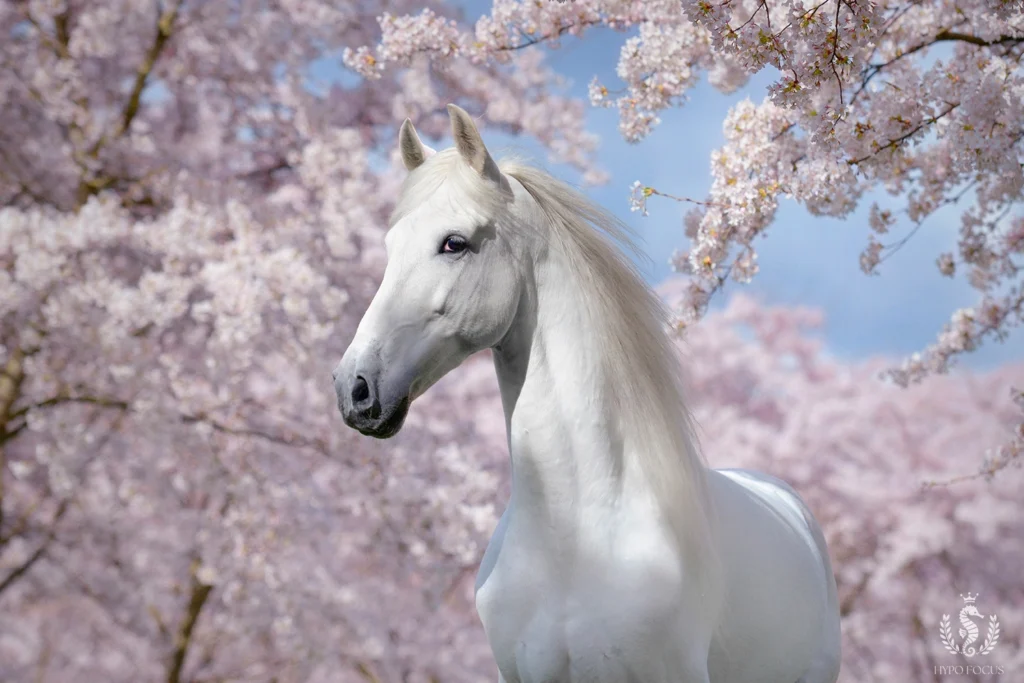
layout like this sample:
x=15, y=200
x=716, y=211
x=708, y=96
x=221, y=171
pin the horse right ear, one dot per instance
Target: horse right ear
x=414, y=152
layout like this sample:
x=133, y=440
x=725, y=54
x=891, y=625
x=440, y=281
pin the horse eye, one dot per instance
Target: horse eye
x=453, y=244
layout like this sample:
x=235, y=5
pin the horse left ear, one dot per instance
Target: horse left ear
x=414, y=152
x=471, y=145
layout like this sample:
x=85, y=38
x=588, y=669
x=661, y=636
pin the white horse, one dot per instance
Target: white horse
x=621, y=557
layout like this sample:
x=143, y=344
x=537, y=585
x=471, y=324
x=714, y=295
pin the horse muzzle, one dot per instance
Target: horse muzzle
x=363, y=409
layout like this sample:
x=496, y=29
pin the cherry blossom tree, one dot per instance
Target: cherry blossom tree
x=191, y=224
x=921, y=100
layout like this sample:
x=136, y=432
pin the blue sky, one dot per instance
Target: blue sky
x=804, y=260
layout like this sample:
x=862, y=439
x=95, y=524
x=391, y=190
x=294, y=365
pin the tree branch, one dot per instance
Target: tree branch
x=67, y=398
x=60, y=26
x=284, y=440
x=873, y=70
x=366, y=672
x=892, y=144
x=942, y=36
x=23, y=568
x=199, y=594
x=291, y=440
x=164, y=27
x=10, y=387
x=22, y=187
x=562, y=30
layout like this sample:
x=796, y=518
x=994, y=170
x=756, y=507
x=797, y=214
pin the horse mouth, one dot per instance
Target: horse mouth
x=384, y=427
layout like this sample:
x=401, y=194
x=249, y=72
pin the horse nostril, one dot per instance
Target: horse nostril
x=360, y=390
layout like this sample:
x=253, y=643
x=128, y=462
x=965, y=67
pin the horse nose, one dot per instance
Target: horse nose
x=360, y=390
x=364, y=399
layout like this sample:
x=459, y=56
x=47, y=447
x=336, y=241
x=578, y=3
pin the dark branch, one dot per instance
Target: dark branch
x=835, y=52
x=64, y=398
x=291, y=440
x=892, y=144
x=873, y=70
x=164, y=27
x=562, y=30
x=90, y=186
x=11, y=379
x=975, y=40
x=39, y=553
x=199, y=594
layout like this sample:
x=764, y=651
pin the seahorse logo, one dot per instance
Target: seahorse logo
x=969, y=630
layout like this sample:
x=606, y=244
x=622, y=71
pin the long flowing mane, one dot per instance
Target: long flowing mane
x=639, y=358
x=629, y=320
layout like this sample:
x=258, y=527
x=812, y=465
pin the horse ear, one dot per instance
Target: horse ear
x=414, y=152
x=471, y=145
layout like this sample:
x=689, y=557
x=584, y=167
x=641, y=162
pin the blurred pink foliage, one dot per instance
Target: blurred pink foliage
x=190, y=226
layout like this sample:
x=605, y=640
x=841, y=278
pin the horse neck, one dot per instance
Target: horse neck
x=570, y=463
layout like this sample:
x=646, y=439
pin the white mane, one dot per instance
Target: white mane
x=641, y=363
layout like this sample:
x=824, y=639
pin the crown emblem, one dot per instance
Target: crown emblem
x=970, y=630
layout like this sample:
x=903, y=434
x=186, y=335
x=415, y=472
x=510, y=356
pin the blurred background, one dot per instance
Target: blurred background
x=193, y=197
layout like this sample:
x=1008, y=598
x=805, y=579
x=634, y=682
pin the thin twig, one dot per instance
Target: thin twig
x=183, y=639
